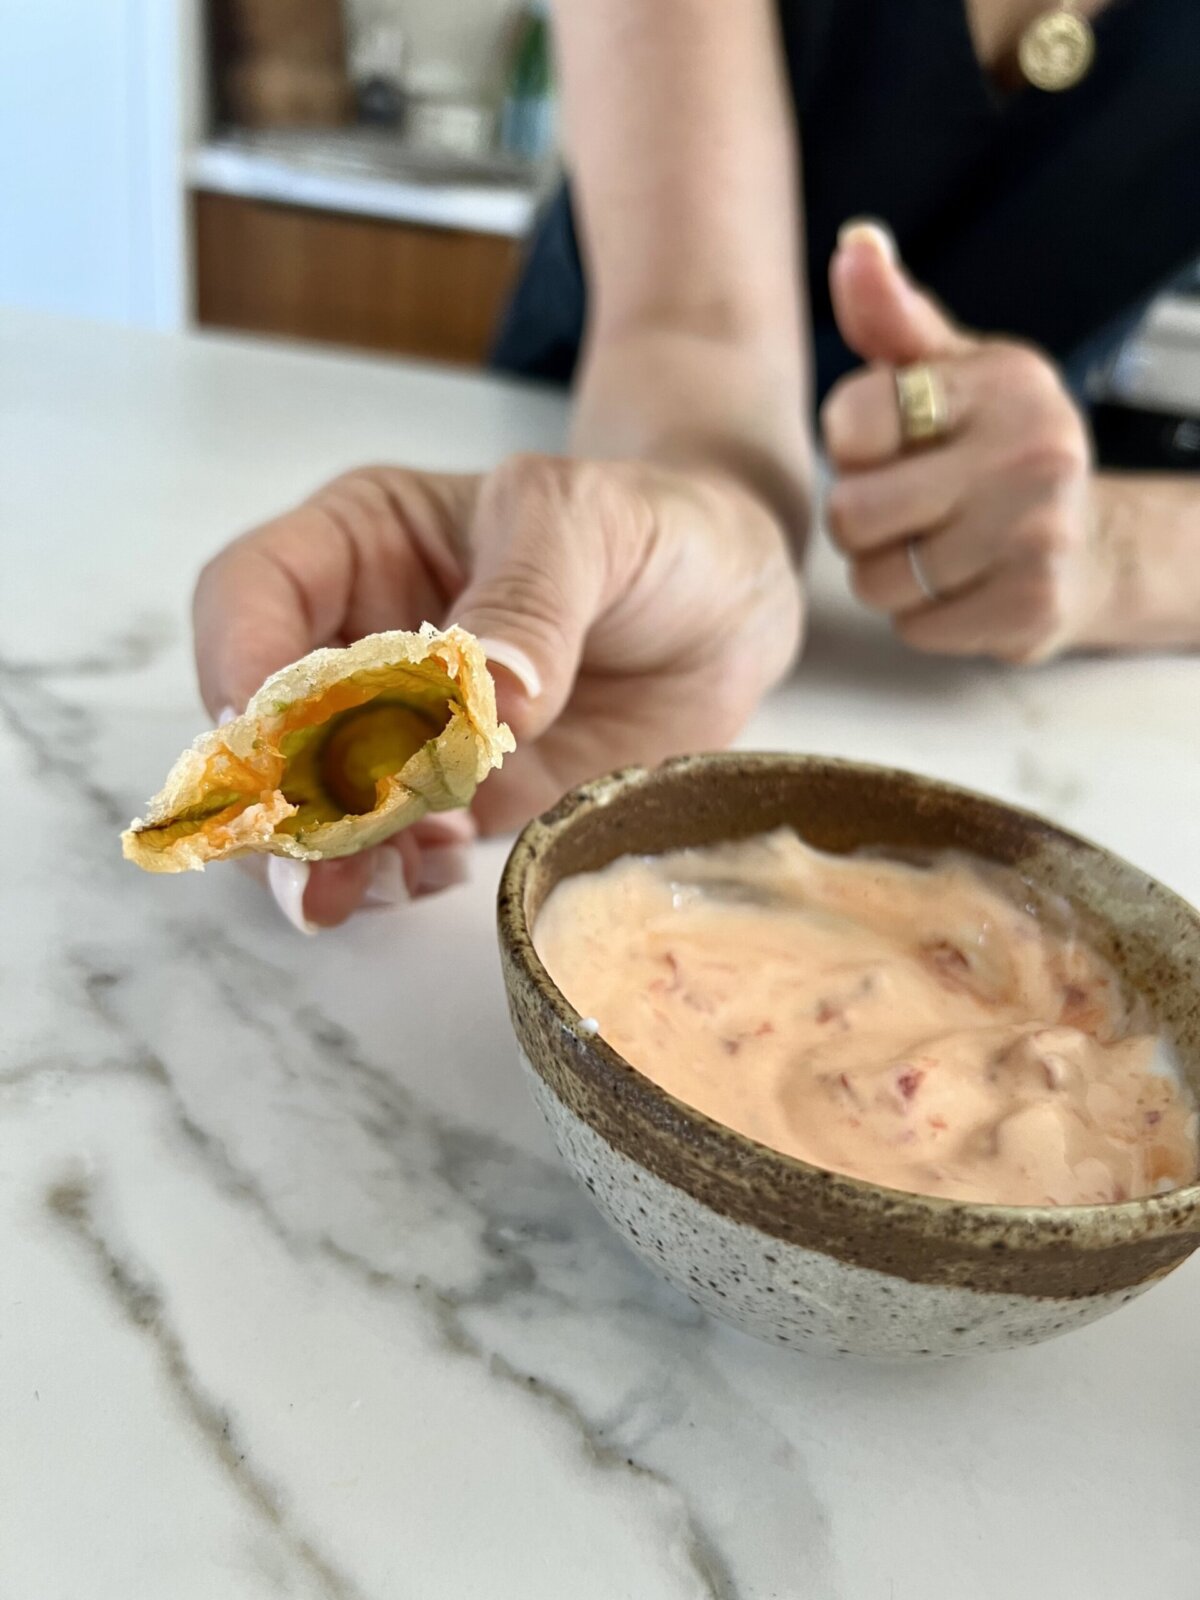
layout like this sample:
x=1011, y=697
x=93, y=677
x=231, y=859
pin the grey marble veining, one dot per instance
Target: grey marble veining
x=297, y=1299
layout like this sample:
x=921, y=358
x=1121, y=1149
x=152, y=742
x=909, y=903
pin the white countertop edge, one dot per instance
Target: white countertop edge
x=507, y=211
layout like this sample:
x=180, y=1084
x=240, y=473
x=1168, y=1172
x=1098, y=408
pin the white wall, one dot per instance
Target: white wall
x=98, y=101
x=94, y=97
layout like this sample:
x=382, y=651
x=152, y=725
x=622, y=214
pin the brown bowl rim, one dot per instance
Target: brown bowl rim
x=1098, y=1226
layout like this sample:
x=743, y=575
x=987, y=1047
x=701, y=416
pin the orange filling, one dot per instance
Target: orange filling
x=330, y=757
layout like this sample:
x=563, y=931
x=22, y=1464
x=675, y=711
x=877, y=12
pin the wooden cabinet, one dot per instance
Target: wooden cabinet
x=349, y=280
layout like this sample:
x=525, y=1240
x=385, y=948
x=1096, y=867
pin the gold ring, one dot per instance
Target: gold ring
x=921, y=394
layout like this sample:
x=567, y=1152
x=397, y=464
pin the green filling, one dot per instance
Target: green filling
x=332, y=770
x=192, y=818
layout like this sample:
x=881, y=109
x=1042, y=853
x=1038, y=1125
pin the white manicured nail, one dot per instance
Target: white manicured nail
x=442, y=867
x=869, y=231
x=287, y=881
x=513, y=658
x=386, y=885
x=226, y=716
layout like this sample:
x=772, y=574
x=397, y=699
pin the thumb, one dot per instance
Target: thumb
x=880, y=312
x=536, y=584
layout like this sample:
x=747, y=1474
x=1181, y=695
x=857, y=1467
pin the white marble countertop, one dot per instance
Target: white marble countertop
x=367, y=176
x=296, y=1299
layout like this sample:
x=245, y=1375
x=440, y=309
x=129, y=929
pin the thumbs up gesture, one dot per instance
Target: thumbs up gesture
x=971, y=527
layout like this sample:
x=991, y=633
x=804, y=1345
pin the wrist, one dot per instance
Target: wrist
x=723, y=406
x=1113, y=605
x=747, y=474
x=1145, y=585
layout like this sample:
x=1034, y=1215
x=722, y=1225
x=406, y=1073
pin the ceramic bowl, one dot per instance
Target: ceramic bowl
x=785, y=1250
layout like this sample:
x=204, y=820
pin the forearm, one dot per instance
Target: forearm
x=684, y=164
x=1148, y=542
x=684, y=398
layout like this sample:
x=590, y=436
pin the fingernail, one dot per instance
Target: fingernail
x=386, y=885
x=287, y=881
x=513, y=658
x=226, y=716
x=869, y=231
x=442, y=866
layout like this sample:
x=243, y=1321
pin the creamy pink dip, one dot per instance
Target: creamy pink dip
x=911, y=1025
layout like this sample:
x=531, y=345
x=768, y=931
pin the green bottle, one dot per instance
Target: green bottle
x=527, y=120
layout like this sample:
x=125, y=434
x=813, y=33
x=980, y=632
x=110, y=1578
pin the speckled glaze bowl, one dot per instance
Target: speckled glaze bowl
x=785, y=1250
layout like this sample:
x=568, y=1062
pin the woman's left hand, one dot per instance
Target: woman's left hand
x=996, y=514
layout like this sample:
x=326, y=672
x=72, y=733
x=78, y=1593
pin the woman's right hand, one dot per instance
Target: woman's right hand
x=629, y=611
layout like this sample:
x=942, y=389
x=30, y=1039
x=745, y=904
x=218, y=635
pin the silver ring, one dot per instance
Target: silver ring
x=918, y=571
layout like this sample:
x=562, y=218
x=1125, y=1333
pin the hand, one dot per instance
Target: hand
x=629, y=613
x=1000, y=508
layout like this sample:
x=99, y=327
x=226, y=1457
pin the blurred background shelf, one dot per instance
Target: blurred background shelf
x=323, y=170
x=338, y=278
x=370, y=174
x=357, y=238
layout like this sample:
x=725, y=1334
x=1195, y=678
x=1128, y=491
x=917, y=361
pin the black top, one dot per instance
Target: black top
x=1050, y=217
